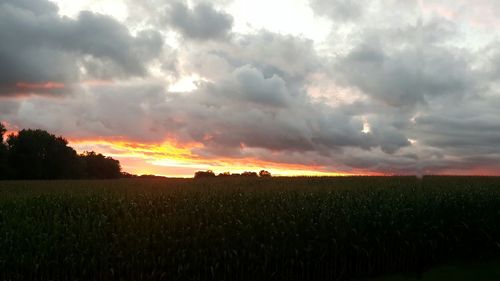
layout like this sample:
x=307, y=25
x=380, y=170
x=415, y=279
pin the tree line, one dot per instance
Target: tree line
x=211, y=174
x=39, y=155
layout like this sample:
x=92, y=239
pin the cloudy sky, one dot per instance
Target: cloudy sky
x=292, y=86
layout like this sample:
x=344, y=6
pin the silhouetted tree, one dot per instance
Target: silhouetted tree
x=151, y=177
x=3, y=154
x=249, y=174
x=36, y=154
x=128, y=175
x=204, y=174
x=98, y=166
x=264, y=174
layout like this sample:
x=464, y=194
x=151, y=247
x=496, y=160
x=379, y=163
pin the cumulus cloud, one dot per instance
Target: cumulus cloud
x=408, y=72
x=40, y=47
x=202, y=22
x=253, y=107
x=405, y=88
x=425, y=78
x=468, y=128
x=291, y=58
x=339, y=9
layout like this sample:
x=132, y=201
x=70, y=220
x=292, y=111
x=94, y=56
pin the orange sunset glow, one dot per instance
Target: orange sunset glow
x=39, y=86
x=175, y=160
x=250, y=140
x=328, y=88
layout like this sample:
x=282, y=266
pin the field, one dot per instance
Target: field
x=245, y=229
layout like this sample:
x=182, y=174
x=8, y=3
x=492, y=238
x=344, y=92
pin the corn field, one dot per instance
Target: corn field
x=244, y=229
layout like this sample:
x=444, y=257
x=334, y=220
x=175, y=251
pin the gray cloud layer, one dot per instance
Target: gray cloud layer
x=201, y=22
x=39, y=46
x=429, y=95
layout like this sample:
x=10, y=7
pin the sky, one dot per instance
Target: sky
x=295, y=87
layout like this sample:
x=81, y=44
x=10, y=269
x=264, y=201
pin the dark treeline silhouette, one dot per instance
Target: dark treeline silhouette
x=3, y=154
x=99, y=166
x=204, y=174
x=211, y=174
x=264, y=174
x=146, y=176
x=37, y=154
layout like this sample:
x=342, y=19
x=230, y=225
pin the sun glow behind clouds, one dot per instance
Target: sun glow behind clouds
x=366, y=126
x=176, y=160
x=173, y=159
x=185, y=84
x=282, y=16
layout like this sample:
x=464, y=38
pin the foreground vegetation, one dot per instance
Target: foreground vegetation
x=39, y=155
x=244, y=228
x=470, y=271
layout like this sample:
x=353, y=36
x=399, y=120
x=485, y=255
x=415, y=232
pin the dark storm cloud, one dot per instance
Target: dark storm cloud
x=430, y=100
x=255, y=103
x=201, y=22
x=468, y=128
x=245, y=108
x=39, y=46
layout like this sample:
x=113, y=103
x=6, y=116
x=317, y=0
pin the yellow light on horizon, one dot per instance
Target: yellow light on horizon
x=172, y=159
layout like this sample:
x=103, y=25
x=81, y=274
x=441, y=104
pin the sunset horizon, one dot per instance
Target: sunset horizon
x=172, y=87
x=250, y=140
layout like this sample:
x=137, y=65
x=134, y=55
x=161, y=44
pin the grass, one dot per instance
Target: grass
x=245, y=229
